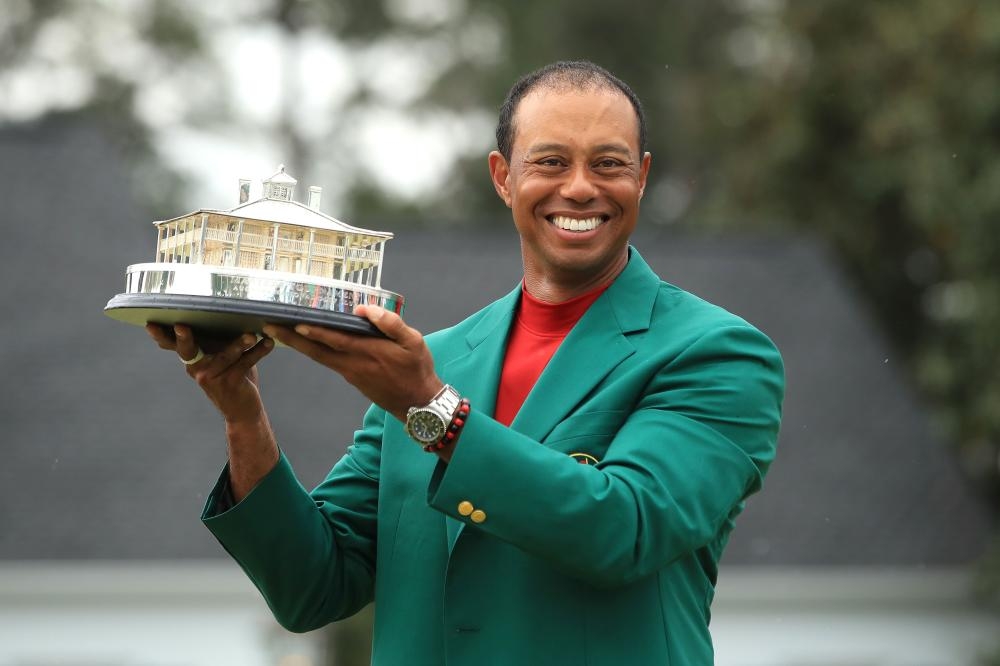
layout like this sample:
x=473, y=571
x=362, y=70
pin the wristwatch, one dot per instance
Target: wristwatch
x=428, y=424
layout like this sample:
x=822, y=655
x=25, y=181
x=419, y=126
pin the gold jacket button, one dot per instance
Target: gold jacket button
x=465, y=508
x=477, y=516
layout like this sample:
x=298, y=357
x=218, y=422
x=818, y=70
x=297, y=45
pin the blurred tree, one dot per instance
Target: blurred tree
x=875, y=126
x=107, y=62
x=660, y=49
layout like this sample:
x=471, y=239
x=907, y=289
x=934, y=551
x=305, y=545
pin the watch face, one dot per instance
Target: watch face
x=425, y=426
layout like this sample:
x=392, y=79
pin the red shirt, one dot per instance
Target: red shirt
x=538, y=330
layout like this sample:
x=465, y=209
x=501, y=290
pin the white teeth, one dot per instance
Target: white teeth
x=571, y=224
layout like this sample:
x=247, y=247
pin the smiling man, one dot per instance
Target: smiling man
x=572, y=171
x=551, y=481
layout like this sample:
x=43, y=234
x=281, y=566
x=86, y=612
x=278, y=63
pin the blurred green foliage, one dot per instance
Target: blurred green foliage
x=881, y=137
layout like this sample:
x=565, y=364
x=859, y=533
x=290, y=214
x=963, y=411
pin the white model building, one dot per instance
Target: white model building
x=272, y=250
x=275, y=233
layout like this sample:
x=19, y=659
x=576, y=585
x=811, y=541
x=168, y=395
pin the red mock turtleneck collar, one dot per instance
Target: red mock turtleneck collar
x=538, y=330
x=554, y=319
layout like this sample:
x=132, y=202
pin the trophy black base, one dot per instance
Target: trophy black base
x=224, y=318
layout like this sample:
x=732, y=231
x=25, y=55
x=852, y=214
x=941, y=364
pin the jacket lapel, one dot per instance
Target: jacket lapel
x=591, y=350
x=476, y=373
x=595, y=346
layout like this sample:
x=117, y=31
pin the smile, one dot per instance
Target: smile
x=573, y=224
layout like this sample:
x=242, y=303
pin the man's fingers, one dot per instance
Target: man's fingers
x=319, y=345
x=337, y=341
x=312, y=340
x=252, y=356
x=185, y=345
x=162, y=338
x=222, y=362
x=390, y=323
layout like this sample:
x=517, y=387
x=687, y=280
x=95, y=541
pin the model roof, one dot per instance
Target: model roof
x=285, y=212
x=281, y=208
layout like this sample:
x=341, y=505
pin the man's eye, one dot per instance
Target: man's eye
x=608, y=163
x=550, y=162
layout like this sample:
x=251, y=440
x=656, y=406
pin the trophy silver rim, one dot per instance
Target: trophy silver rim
x=265, y=286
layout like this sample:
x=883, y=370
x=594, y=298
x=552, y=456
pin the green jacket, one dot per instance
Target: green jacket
x=607, y=564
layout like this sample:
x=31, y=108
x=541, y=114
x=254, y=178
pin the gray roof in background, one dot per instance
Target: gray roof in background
x=109, y=449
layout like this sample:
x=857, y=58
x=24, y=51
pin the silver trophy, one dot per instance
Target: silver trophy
x=270, y=260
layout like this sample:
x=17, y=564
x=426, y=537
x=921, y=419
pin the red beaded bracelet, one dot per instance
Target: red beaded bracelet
x=455, y=427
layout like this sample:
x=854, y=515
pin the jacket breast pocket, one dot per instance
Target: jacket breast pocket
x=587, y=434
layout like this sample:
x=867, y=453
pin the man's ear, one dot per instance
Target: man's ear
x=647, y=158
x=500, y=175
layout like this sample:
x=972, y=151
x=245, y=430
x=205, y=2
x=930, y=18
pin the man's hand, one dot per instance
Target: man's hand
x=228, y=377
x=395, y=372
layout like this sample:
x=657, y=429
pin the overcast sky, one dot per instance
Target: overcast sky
x=250, y=74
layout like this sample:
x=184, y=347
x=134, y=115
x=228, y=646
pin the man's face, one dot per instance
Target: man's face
x=573, y=183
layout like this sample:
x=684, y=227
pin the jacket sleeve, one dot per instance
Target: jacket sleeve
x=311, y=556
x=699, y=440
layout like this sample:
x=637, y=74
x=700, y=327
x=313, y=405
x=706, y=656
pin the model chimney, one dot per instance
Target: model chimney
x=315, y=195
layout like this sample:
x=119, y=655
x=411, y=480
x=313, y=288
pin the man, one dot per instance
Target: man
x=493, y=544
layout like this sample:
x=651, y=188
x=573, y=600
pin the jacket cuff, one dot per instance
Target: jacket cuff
x=223, y=515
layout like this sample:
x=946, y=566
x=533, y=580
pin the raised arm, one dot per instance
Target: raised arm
x=229, y=379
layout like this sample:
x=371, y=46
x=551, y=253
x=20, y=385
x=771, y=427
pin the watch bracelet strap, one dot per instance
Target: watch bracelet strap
x=455, y=426
x=448, y=397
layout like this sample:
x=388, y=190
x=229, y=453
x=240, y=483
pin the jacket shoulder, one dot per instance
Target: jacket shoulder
x=690, y=312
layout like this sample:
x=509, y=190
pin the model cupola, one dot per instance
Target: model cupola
x=280, y=186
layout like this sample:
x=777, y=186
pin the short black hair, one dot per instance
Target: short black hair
x=577, y=74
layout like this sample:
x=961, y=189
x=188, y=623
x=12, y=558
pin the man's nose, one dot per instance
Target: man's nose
x=579, y=185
